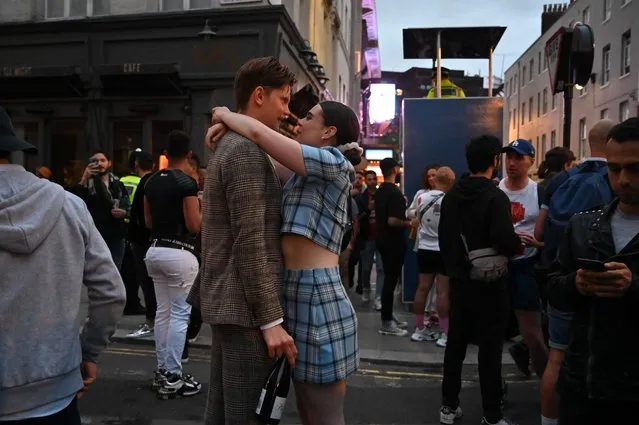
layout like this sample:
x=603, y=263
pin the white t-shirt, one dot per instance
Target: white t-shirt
x=524, y=208
x=411, y=211
x=428, y=237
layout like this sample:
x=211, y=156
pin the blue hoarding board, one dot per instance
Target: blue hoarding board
x=436, y=131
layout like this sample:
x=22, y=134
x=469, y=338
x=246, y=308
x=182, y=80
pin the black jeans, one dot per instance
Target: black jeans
x=393, y=261
x=146, y=283
x=68, y=416
x=479, y=313
x=354, y=261
x=580, y=410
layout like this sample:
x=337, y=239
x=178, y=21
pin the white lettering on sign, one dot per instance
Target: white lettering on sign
x=552, y=51
x=16, y=71
x=131, y=68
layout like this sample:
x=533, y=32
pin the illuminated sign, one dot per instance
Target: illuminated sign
x=381, y=104
x=378, y=154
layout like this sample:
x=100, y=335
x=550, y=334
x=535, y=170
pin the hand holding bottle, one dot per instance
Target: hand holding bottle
x=279, y=343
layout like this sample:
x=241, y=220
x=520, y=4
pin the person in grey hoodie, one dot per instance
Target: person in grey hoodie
x=49, y=247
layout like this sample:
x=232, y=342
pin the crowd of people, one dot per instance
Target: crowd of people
x=260, y=263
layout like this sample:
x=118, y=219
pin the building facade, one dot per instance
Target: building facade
x=532, y=112
x=81, y=75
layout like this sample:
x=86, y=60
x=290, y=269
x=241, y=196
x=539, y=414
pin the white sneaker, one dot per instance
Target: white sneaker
x=420, y=335
x=448, y=416
x=378, y=304
x=400, y=323
x=366, y=296
x=443, y=339
x=142, y=331
x=391, y=328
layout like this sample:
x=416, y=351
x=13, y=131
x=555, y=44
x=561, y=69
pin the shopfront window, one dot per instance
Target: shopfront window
x=127, y=137
x=160, y=131
x=69, y=154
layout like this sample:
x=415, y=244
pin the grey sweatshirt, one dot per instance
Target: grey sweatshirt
x=49, y=247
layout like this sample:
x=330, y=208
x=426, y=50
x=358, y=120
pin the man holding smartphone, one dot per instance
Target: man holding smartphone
x=108, y=202
x=598, y=280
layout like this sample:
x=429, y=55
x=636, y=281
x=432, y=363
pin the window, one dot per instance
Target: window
x=543, y=145
x=604, y=114
x=536, y=148
x=538, y=104
x=553, y=139
x=545, y=102
x=55, y=9
x=553, y=102
x=605, y=65
x=172, y=5
x=625, y=53
x=100, y=7
x=532, y=67
x=585, y=16
x=515, y=118
x=530, y=109
x=523, y=77
x=584, y=90
x=624, y=111
x=539, y=64
x=545, y=62
x=607, y=9
x=583, y=130
x=523, y=113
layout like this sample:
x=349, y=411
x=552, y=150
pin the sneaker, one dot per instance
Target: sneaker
x=400, y=323
x=520, y=354
x=420, y=335
x=159, y=378
x=503, y=421
x=390, y=328
x=378, y=304
x=443, y=339
x=448, y=416
x=366, y=295
x=179, y=386
x=142, y=331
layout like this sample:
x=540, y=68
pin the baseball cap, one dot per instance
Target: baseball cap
x=9, y=142
x=520, y=146
x=387, y=164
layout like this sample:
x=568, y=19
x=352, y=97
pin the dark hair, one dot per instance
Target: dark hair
x=97, y=151
x=196, y=161
x=481, y=153
x=370, y=172
x=429, y=167
x=145, y=161
x=627, y=131
x=178, y=144
x=343, y=118
x=555, y=161
x=267, y=72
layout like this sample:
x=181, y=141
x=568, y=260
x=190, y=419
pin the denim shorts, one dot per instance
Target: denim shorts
x=558, y=328
x=523, y=286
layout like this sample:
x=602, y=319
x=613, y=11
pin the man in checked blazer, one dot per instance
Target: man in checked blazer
x=239, y=283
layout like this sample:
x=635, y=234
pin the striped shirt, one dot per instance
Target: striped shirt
x=315, y=205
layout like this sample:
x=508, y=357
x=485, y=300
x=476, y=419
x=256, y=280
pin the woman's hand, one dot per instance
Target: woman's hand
x=214, y=134
x=217, y=113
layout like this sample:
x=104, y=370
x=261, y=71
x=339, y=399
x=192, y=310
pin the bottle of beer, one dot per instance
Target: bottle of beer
x=274, y=393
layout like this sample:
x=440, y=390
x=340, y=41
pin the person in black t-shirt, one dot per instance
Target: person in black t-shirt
x=139, y=240
x=172, y=212
x=390, y=214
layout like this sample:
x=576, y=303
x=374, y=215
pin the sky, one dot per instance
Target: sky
x=522, y=17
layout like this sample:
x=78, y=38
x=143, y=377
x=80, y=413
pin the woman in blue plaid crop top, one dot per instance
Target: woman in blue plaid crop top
x=318, y=314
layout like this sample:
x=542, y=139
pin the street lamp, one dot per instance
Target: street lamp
x=207, y=32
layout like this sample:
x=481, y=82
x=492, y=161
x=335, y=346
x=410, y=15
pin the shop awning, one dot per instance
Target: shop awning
x=30, y=82
x=457, y=42
x=140, y=79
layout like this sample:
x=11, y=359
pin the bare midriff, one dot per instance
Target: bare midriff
x=301, y=253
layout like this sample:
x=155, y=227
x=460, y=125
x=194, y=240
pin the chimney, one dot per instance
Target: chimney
x=551, y=14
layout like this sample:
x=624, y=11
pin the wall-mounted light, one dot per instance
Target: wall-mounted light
x=307, y=53
x=207, y=33
x=322, y=78
x=399, y=92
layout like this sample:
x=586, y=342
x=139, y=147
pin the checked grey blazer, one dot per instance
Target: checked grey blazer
x=240, y=274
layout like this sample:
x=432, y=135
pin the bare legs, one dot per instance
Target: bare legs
x=321, y=404
x=530, y=329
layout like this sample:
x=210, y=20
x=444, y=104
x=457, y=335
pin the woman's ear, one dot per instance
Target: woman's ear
x=329, y=132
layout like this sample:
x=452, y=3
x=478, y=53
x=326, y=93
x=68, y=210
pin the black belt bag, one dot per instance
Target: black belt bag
x=176, y=244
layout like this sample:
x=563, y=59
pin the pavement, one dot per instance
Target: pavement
x=377, y=394
x=373, y=347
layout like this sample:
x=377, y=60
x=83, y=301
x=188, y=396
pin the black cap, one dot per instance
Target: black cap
x=9, y=142
x=387, y=164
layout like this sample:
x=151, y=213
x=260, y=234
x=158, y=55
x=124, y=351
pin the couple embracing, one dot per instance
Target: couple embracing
x=262, y=242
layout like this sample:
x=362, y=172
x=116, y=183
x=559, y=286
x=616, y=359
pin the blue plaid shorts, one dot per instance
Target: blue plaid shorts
x=321, y=319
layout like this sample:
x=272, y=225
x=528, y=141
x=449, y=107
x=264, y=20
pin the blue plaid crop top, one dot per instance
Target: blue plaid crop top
x=315, y=205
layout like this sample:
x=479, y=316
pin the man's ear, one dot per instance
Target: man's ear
x=259, y=95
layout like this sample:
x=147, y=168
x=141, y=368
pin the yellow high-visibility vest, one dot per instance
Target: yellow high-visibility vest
x=449, y=89
x=131, y=183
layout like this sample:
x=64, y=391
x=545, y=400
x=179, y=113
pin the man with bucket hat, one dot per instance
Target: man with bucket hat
x=45, y=365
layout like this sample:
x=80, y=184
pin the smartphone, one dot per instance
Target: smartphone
x=592, y=265
x=93, y=161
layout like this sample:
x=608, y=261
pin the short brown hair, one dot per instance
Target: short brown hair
x=267, y=72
